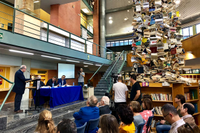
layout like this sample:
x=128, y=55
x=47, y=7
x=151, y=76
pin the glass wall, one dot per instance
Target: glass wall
x=187, y=32
x=118, y=43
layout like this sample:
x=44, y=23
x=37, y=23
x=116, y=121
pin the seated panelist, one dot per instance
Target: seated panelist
x=37, y=83
x=52, y=82
x=62, y=81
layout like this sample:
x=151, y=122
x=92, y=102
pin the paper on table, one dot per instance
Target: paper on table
x=44, y=87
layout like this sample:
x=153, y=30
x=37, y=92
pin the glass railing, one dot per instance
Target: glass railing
x=108, y=77
x=17, y=21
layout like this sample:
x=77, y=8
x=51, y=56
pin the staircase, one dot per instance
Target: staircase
x=28, y=124
x=104, y=84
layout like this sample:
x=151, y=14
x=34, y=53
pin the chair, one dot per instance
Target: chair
x=92, y=124
x=140, y=127
x=82, y=128
x=148, y=125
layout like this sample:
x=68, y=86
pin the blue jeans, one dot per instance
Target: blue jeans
x=160, y=128
x=81, y=84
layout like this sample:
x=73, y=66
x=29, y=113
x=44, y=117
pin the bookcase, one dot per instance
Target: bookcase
x=173, y=90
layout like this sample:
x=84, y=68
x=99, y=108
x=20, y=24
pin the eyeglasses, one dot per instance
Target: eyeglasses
x=165, y=115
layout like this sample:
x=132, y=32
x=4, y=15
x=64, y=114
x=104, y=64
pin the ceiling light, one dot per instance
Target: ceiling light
x=73, y=61
x=110, y=18
x=87, y=63
x=177, y=2
x=125, y=19
x=110, y=21
x=85, y=10
x=36, y=1
x=97, y=64
x=21, y=52
x=127, y=10
x=51, y=57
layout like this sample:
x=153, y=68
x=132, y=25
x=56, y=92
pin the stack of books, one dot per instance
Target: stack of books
x=157, y=110
x=162, y=97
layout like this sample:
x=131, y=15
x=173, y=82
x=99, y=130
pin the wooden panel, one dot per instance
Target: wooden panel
x=157, y=85
x=192, y=44
x=5, y=72
x=10, y=98
x=177, y=89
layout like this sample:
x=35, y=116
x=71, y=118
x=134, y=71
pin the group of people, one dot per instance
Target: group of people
x=20, y=82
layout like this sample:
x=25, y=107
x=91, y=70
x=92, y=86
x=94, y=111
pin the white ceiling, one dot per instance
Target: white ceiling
x=111, y=4
x=83, y=6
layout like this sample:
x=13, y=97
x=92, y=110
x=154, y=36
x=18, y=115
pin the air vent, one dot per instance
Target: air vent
x=42, y=72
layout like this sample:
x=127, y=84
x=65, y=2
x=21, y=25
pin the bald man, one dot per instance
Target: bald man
x=19, y=87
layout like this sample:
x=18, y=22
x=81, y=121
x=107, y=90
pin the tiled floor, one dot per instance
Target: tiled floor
x=8, y=110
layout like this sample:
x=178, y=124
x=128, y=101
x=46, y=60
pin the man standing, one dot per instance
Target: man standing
x=81, y=77
x=52, y=82
x=170, y=114
x=19, y=87
x=120, y=92
x=135, y=91
x=62, y=81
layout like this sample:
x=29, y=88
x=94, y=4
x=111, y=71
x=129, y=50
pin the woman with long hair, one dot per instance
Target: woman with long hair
x=45, y=123
x=108, y=124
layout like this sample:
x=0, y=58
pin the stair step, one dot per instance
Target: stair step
x=100, y=90
x=99, y=93
x=33, y=118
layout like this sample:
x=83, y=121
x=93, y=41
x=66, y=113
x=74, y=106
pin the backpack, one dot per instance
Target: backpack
x=187, y=128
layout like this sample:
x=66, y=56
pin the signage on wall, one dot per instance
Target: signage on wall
x=88, y=57
x=1, y=70
x=1, y=35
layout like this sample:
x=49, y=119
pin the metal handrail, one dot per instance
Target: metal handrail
x=114, y=65
x=15, y=9
x=8, y=91
x=122, y=63
x=96, y=71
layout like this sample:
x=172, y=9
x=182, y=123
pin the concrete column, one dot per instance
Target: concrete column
x=26, y=62
x=102, y=27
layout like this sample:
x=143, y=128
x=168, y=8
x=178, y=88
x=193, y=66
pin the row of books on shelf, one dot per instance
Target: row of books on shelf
x=162, y=97
x=157, y=110
x=191, y=95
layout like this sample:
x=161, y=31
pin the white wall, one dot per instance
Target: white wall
x=10, y=60
x=43, y=65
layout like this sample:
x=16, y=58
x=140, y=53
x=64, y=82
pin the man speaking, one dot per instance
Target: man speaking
x=19, y=87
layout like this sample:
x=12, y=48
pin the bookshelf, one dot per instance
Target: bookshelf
x=173, y=89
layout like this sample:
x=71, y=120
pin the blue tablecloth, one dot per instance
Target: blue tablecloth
x=61, y=95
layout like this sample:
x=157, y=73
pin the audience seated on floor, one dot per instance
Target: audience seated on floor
x=104, y=106
x=88, y=112
x=126, y=116
x=45, y=123
x=147, y=107
x=135, y=108
x=170, y=114
x=66, y=126
x=108, y=124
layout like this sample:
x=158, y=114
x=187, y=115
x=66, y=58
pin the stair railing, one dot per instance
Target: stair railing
x=110, y=78
x=8, y=91
x=95, y=73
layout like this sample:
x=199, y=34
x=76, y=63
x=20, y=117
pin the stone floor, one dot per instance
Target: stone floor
x=8, y=110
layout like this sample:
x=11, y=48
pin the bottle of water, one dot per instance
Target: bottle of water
x=52, y=84
x=59, y=84
x=73, y=83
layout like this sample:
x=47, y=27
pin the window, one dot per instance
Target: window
x=130, y=42
x=198, y=28
x=112, y=44
x=108, y=44
x=117, y=43
x=187, y=32
x=125, y=42
x=121, y=43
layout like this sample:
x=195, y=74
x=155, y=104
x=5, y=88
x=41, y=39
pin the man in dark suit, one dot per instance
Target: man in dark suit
x=104, y=106
x=19, y=87
x=62, y=81
x=37, y=83
x=52, y=82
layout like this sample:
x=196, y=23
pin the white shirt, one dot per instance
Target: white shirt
x=120, y=89
x=62, y=82
x=176, y=125
x=38, y=84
